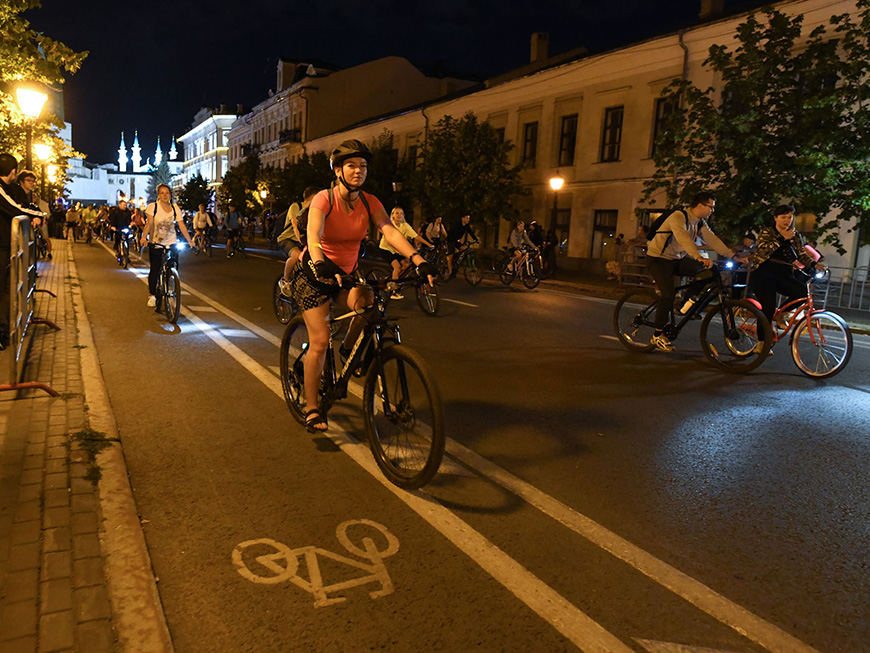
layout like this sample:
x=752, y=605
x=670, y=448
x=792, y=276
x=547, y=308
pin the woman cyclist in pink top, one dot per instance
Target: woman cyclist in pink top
x=334, y=235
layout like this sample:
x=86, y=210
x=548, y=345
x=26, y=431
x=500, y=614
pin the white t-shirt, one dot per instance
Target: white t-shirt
x=162, y=225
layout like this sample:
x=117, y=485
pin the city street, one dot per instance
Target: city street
x=590, y=498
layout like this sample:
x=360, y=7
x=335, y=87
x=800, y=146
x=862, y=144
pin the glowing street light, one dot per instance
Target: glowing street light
x=43, y=153
x=556, y=184
x=30, y=102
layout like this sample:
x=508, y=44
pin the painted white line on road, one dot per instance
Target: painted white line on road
x=456, y=301
x=237, y=333
x=609, y=337
x=203, y=309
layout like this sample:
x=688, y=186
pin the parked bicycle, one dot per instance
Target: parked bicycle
x=821, y=342
x=169, y=285
x=528, y=268
x=735, y=335
x=401, y=403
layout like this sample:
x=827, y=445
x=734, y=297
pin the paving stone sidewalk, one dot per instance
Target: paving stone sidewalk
x=53, y=591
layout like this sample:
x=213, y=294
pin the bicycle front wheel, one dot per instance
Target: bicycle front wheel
x=172, y=295
x=740, y=339
x=428, y=299
x=403, y=416
x=633, y=319
x=473, y=273
x=532, y=277
x=294, y=346
x=506, y=275
x=821, y=344
x=285, y=307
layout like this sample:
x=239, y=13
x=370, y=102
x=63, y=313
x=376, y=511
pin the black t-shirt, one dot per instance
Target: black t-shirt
x=458, y=230
x=120, y=218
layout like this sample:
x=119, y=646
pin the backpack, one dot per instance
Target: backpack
x=653, y=229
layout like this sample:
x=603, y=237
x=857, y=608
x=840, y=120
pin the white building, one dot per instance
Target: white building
x=206, y=144
x=591, y=120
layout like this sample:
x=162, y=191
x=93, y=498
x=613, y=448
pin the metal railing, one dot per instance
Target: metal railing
x=22, y=302
x=844, y=288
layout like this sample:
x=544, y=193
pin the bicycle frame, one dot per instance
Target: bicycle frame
x=714, y=289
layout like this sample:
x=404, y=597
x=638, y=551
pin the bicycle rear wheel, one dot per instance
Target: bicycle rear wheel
x=404, y=418
x=740, y=340
x=821, y=344
x=633, y=319
x=172, y=295
x=505, y=275
x=285, y=307
x=473, y=273
x=532, y=276
x=428, y=299
x=294, y=346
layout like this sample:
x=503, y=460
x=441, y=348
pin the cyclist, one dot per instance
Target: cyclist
x=119, y=219
x=293, y=235
x=456, y=240
x=338, y=221
x=73, y=216
x=435, y=231
x=399, y=262
x=517, y=238
x=201, y=220
x=163, y=216
x=672, y=252
x=234, y=227
x=780, y=249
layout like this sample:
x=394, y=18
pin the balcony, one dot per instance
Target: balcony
x=250, y=148
x=290, y=136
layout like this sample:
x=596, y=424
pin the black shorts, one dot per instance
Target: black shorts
x=306, y=294
x=453, y=245
x=288, y=246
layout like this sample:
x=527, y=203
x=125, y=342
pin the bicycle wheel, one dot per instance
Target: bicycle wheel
x=741, y=338
x=285, y=307
x=821, y=345
x=197, y=246
x=403, y=416
x=473, y=273
x=498, y=261
x=125, y=254
x=505, y=275
x=240, y=248
x=428, y=299
x=171, y=294
x=633, y=319
x=532, y=277
x=294, y=346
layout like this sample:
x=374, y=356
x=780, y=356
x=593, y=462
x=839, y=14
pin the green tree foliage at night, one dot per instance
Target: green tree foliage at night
x=194, y=193
x=287, y=184
x=466, y=169
x=27, y=57
x=161, y=175
x=789, y=123
x=239, y=186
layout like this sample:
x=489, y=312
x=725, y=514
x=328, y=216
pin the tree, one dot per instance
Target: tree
x=31, y=57
x=239, y=186
x=161, y=175
x=466, y=169
x=195, y=192
x=789, y=123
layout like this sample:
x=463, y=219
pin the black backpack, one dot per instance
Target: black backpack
x=653, y=230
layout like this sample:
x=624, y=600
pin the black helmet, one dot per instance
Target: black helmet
x=348, y=149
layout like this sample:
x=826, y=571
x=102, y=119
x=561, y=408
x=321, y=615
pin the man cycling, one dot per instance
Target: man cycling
x=293, y=236
x=234, y=227
x=672, y=252
x=456, y=240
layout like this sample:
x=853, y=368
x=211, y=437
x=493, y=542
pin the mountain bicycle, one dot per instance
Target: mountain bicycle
x=527, y=268
x=437, y=256
x=202, y=243
x=468, y=260
x=236, y=244
x=735, y=335
x=428, y=298
x=820, y=340
x=402, y=409
x=169, y=284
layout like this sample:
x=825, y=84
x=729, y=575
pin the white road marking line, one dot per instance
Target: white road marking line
x=654, y=646
x=609, y=337
x=456, y=301
x=237, y=333
x=203, y=309
x=275, y=369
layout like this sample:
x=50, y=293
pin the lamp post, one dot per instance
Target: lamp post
x=30, y=102
x=43, y=152
x=556, y=184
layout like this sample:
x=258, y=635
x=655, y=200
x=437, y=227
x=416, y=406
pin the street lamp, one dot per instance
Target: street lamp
x=30, y=102
x=43, y=152
x=556, y=184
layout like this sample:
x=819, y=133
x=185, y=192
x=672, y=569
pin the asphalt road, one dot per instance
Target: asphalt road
x=592, y=498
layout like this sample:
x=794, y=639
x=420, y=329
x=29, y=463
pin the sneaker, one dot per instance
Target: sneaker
x=285, y=287
x=152, y=301
x=397, y=295
x=661, y=342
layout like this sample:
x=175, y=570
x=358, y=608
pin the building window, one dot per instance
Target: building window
x=603, y=235
x=665, y=106
x=500, y=134
x=561, y=227
x=530, y=143
x=611, y=136
x=568, y=140
x=413, y=153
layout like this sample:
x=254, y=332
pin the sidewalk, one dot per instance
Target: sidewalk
x=55, y=592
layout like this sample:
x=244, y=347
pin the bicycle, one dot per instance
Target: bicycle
x=527, y=268
x=202, y=243
x=41, y=245
x=821, y=343
x=236, y=244
x=401, y=403
x=124, y=248
x=169, y=285
x=427, y=296
x=736, y=347
x=285, y=307
x=467, y=260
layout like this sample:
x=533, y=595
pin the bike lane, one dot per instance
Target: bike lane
x=253, y=530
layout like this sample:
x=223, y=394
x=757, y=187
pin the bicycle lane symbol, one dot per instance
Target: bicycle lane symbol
x=283, y=563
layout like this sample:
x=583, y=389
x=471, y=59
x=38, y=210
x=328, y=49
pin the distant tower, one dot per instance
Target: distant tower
x=173, y=152
x=137, y=157
x=158, y=154
x=122, y=155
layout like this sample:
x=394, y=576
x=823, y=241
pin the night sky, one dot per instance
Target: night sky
x=153, y=64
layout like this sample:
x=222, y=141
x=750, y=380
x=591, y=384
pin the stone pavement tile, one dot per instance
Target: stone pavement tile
x=23, y=556
x=35, y=461
x=55, y=466
x=26, y=532
x=56, y=539
x=83, y=503
x=80, y=486
x=56, y=565
x=20, y=645
x=56, y=441
x=86, y=546
x=84, y=522
x=57, y=498
x=33, y=450
x=31, y=476
x=56, y=452
x=21, y=585
x=88, y=572
x=32, y=492
x=92, y=603
x=57, y=631
x=56, y=517
x=56, y=595
x=27, y=511
x=37, y=437
x=17, y=620
x=78, y=470
x=96, y=636
x=56, y=481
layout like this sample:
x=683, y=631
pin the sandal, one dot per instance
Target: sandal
x=313, y=419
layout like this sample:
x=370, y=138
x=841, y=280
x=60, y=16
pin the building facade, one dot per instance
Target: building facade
x=206, y=144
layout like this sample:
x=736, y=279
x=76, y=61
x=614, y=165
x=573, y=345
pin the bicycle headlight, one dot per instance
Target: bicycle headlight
x=820, y=274
x=729, y=265
x=180, y=245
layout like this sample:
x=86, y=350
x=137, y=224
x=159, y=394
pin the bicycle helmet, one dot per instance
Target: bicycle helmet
x=348, y=149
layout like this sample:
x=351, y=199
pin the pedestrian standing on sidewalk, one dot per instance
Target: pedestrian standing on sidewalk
x=163, y=216
x=27, y=181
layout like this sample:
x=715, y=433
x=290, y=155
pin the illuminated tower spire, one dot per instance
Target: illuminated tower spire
x=173, y=152
x=158, y=154
x=137, y=157
x=122, y=155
